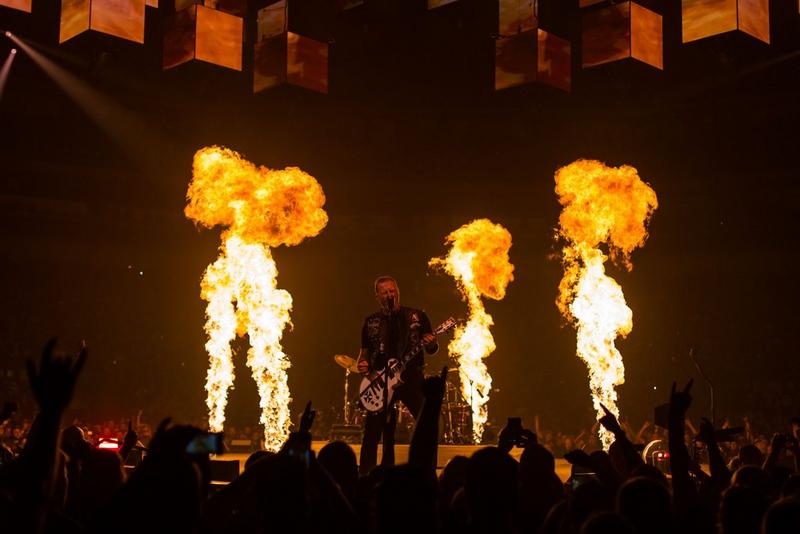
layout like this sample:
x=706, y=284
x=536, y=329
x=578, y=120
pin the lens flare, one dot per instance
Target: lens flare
x=261, y=208
x=601, y=205
x=478, y=260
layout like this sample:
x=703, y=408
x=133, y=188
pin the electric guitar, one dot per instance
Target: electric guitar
x=371, y=390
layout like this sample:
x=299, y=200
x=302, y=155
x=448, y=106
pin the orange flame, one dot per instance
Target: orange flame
x=478, y=260
x=601, y=205
x=262, y=208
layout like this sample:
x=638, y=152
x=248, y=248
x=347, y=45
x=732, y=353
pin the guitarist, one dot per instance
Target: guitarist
x=390, y=333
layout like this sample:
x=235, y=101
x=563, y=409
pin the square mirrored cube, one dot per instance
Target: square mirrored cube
x=204, y=34
x=291, y=58
x=621, y=31
x=22, y=5
x=120, y=18
x=271, y=21
x=433, y=4
x=533, y=56
x=516, y=16
x=706, y=18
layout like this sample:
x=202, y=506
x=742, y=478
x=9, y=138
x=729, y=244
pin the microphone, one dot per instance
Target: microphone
x=390, y=304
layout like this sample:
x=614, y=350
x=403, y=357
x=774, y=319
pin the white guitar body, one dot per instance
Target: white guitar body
x=371, y=389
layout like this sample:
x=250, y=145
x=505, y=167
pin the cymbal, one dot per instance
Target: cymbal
x=351, y=364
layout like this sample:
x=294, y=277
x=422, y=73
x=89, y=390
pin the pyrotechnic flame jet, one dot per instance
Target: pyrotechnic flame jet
x=478, y=260
x=261, y=208
x=601, y=205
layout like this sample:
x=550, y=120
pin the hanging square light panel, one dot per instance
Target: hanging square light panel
x=204, y=34
x=704, y=18
x=554, y=60
x=120, y=18
x=433, y=4
x=307, y=63
x=515, y=60
x=271, y=20
x=291, y=58
x=532, y=56
x=219, y=38
x=22, y=5
x=754, y=18
x=179, y=38
x=621, y=31
x=516, y=16
x=74, y=18
x=647, y=30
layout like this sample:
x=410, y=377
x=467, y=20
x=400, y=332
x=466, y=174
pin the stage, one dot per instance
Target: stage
x=446, y=452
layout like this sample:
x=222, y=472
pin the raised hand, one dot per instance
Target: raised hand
x=433, y=386
x=54, y=381
x=778, y=442
x=307, y=419
x=679, y=401
x=706, y=432
x=578, y=457
x=609, y=422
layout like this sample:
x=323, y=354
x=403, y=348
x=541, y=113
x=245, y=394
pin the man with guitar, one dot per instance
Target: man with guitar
x=392, y=334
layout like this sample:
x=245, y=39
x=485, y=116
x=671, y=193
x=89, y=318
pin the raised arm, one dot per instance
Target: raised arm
x=719, y=471
x=424, y=443
x=679, y=456
x=610, y=423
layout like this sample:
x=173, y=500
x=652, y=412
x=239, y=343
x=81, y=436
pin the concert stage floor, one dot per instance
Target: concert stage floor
x=446, y=452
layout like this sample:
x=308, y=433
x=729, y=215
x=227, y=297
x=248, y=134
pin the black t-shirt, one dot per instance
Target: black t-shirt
x=393, y=336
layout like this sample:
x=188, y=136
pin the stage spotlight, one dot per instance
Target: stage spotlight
x=5, y=70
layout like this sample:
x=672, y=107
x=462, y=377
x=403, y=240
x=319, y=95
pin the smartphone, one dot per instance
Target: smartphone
x=580, y=478
x=206, y=443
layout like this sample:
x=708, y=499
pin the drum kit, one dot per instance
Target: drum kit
x=456, y=418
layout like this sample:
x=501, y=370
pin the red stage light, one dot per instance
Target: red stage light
x=109, y=444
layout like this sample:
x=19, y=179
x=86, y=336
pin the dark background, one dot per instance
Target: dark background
x=410, y=144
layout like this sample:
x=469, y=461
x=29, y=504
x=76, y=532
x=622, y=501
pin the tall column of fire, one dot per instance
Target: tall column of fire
x=261, y=208
x=478, y=260
x=601, y=206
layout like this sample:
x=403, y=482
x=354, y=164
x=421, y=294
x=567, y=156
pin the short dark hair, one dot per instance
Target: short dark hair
x=382, y=279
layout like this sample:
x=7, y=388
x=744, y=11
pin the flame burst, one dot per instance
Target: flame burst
x=601, y=205
x=478, y=260
x=261, y=208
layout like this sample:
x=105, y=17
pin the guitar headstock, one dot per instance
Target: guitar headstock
x=449, y=324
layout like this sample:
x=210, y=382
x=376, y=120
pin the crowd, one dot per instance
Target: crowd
x=54, y=479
